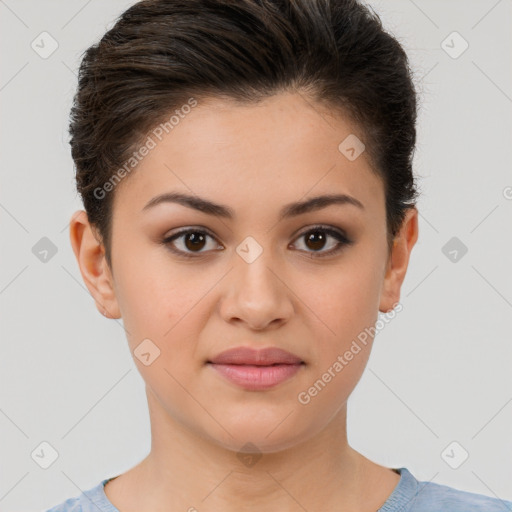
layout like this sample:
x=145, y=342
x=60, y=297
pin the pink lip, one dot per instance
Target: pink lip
x=264, y=356
x=256, y=369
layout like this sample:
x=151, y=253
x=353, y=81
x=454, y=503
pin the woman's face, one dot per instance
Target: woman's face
x=257, y=278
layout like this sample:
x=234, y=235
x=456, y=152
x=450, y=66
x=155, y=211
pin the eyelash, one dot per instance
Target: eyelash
x=338, y=235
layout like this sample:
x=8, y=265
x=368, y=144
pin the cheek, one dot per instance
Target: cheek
x=345, y=306
x=345, y=299
x=152, y=296
x=158, y=312
x=166, y=305
x=345, y=310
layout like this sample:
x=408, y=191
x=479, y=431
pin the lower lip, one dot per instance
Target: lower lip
x=254, y=377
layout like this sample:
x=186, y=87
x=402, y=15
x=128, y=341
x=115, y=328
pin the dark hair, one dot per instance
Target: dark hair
x=160, y=53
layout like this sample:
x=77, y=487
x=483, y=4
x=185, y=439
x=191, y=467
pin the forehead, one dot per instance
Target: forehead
x=248, y=156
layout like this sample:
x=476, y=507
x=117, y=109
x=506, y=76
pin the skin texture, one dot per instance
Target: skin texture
x=254, y=159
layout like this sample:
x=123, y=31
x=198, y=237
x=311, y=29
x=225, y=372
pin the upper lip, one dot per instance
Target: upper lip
x=263, y=357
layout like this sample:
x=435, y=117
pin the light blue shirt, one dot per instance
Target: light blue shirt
x=409, y=495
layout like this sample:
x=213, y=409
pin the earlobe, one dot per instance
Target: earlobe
x=399, y=261
x=90, y=256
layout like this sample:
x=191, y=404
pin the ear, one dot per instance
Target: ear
x=90, y=255
x=398, y=260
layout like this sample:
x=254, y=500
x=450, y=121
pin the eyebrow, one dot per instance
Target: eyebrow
x=219, y=210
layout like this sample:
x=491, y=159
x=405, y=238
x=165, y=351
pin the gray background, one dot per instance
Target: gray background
x=439, y=372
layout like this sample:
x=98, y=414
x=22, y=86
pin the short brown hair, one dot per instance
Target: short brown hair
x=160, y=53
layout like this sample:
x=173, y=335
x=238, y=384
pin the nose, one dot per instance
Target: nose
x=256, y=295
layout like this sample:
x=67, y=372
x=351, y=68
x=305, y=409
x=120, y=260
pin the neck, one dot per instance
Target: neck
x=187, y=471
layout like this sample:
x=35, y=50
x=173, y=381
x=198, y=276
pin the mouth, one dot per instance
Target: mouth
x=256, y=377
x=259, y=357
x=256, y=369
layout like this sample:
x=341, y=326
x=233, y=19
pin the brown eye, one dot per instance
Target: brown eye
x=194, y=241
x=190, y=241
x=317, y=238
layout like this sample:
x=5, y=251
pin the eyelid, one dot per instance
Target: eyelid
x=189, y=229
x=324, y=227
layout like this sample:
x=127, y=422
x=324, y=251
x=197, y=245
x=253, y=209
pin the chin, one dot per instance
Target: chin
x=260, y=437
